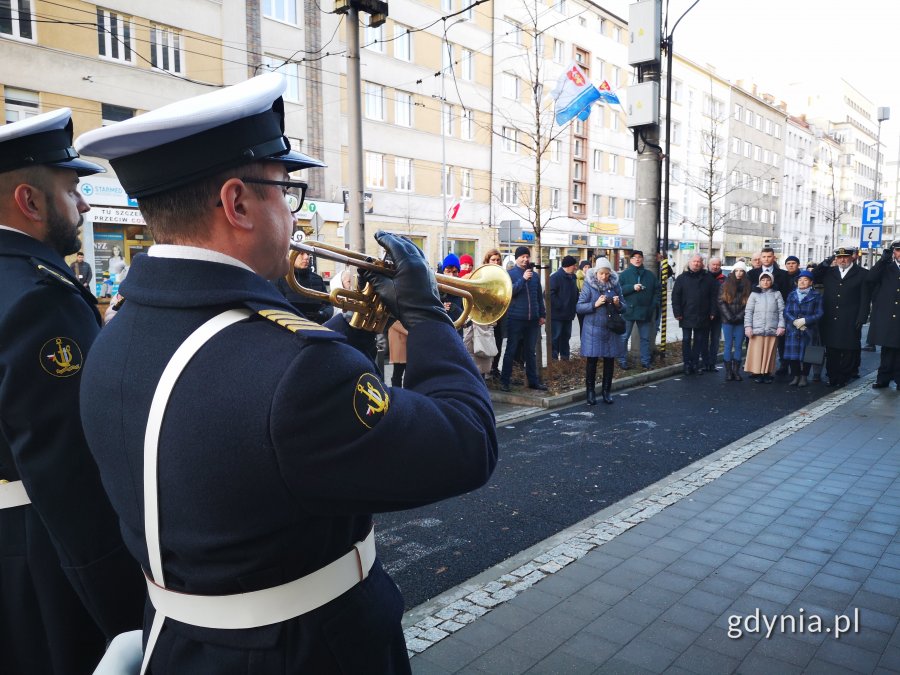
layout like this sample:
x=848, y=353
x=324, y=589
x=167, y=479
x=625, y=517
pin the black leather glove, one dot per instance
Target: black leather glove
x=411, y=295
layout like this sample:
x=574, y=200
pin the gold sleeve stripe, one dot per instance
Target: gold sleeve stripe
x=292, y=322
x=56, y=274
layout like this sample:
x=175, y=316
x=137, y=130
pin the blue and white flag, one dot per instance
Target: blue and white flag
x=574, y=95
x=607, y=94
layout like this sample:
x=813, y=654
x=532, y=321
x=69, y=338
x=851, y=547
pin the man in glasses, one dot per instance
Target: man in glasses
x=243, y=446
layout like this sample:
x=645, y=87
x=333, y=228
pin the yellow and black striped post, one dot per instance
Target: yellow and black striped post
x=664, y=274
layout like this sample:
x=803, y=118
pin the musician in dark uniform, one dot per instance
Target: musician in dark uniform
x=846, y=302
x=270, y=439
x=67, y=583
x=884, y=329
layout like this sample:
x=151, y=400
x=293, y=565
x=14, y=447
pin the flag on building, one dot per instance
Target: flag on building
x=574, y=95
x=453, y=212
x=607, y=94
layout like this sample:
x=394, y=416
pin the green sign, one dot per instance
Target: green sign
x=311, y=207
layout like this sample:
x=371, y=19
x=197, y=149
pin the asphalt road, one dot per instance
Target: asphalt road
x=561, y=467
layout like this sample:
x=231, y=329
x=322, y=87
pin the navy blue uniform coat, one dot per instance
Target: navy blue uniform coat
x=846, y=304
x=66, y=581
x=268, y=470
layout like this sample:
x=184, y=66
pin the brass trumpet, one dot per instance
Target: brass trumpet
x=486, y=292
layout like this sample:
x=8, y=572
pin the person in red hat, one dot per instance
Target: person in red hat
x=466, y=263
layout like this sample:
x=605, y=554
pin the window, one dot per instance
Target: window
x=554, y=199
x=508, y=192
x=447, y=119
x=616, y=74
x=738, y=111
x=403, y=107
x=759, y=122
x=291, y=72
x=579, y=148
x=613, y=163
x=595, y=205
x=772, y=218
x=745, y=212
x=578, y=171
x=748, y=149
x=374, y=39
x=115, y=36
x=613, y=207
x=560, y=6
x=578, y=128
x=756, y=183
x=774, y=190
x=555, y=150
x=510, y=86
x=748, y=117
x=516, y=30
x=166, y=49
x=448, y=181
x=676, y=91
x=558, y=51
x=403, y=174
x=630, y=167
x=764, y=215
x=374, y=170
x=735, y=179
x=20, y=104
x=374, y=101
x=598, y=160
x=757, y=153
x=15, y=19
x=466, y=186
x=754, y=214
x=509, y=139
x=769, y=127
x=767, y=156
x=736, y=145
x=110, y=114
x=282, y=10
x=467, y=65
x=765, y=186
x=676, y=172
x=446, y=6
x=676, y=132
x=775, y=159
x=629, y=209
x=467, y=125
x=777, y=132
x=468, y=11
x=402, y=43
x=748, y=181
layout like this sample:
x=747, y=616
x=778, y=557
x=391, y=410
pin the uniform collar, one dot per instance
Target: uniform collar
x=194, y=253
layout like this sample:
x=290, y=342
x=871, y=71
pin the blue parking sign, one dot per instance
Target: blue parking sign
x=873, y=212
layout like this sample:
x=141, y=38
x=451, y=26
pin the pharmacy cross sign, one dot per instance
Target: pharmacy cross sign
x=872, y=220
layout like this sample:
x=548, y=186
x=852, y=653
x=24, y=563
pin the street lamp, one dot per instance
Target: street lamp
x=883, y=114
x=669, y=51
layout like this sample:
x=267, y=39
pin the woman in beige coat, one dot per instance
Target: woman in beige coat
x=397, y=350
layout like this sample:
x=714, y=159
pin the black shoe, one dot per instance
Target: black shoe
x=591, y=396
x=540, y=386
x=759, y=379
x=606, y=397
x=782, y=371
x=869, y=348
x=768, y=379
x=495, y=373
x=687, y=370
x=881, y=385
x=504, y=387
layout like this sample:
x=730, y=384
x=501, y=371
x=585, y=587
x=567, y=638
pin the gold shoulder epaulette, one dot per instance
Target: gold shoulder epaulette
x=292, y=322
x=55, y=275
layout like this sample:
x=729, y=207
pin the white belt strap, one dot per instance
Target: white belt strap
x=241, y=610
x=13, y=494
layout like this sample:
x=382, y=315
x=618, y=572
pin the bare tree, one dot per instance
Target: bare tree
x=711, y=182
x=829, y=203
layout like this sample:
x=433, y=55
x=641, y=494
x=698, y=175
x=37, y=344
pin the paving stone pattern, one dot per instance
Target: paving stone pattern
x=801, y=520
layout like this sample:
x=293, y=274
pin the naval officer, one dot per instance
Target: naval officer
x=67, y=583
x=243, y=446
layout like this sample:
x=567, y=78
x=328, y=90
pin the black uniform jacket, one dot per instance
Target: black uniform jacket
x=884, y=278
x=278, y=443
x=48, y=321
x=846, y=303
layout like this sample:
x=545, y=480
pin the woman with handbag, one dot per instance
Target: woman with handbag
x=802, y=313
x=763, y=324
x=601, y=305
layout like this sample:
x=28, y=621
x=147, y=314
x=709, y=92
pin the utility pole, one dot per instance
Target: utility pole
x=645, y=19
x=883, y=114
x=378, y=11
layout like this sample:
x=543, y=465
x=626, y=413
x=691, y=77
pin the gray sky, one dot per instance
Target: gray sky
x=772, y=42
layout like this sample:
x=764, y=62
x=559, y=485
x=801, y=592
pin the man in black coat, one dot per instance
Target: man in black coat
x=270, y=439
x=82, y=270
x=846, y=301
x=563, y=298
x=884, y=327
x=694, y=300
x=67, y=584
x=314, y=310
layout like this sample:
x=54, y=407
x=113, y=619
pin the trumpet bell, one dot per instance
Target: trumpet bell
x=491, y=290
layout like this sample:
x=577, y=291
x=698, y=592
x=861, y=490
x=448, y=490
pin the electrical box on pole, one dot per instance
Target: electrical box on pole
x=642, y=104
x=643, y=33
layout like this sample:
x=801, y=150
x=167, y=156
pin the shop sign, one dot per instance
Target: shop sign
x=686, y=246
x=105, y=214
x=329, y=211
x=603, y=228
x=579, y=240
x=101, y=191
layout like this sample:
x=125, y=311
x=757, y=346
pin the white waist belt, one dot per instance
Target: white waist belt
x=13, y=494
x=269, y=605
